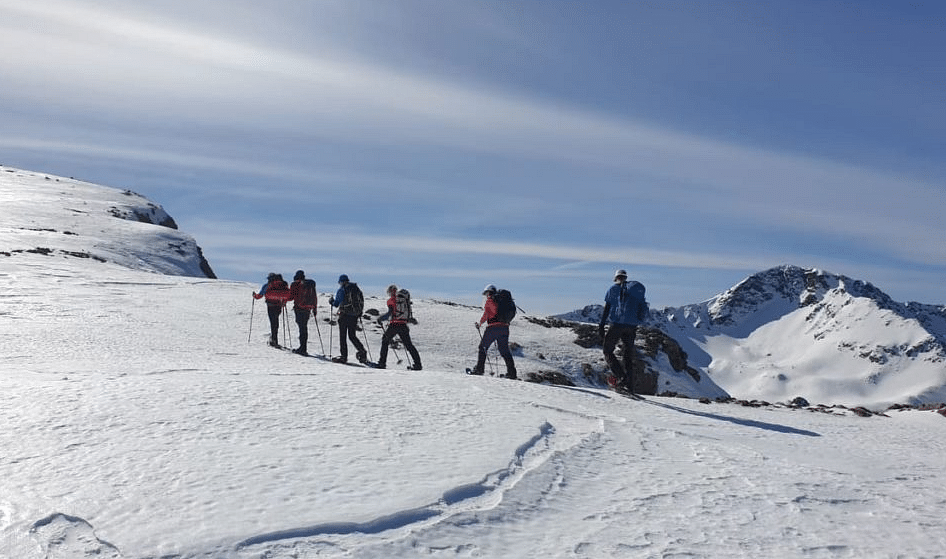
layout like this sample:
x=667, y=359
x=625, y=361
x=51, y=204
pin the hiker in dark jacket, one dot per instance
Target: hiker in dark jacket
x=397, y=327
x=276, y=293
x=625, y=308
x=349, y=301
x=302, y=311
x=496, y=331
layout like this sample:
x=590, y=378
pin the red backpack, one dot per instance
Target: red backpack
x=277, y=293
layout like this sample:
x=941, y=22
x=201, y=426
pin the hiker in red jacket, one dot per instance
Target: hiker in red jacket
x=399, y=311
x=276, y=293
x=496, y=331
x=304, y=302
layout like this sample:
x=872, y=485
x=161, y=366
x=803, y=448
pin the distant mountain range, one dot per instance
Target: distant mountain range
x=791, y=331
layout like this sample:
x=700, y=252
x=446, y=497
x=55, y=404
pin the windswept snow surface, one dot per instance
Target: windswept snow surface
x=142, y=419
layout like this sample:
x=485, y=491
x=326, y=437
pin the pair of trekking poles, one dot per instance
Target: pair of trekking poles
x=287, y=335
x=490, y=359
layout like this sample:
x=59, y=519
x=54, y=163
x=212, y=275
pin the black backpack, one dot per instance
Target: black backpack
x=308, y=294
x=354, y=300
x=402, y=306
x=505, y=306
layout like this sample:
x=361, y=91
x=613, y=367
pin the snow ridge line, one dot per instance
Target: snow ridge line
x=490, y=483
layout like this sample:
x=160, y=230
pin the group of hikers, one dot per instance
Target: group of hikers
x=625, y=308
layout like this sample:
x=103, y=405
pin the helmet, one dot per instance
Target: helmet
x=490, y=288
x=299, y=275
x=343, y=279
x=391, y=289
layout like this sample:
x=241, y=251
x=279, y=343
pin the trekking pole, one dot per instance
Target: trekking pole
x=252, y=308
x=331, y=330
x=315, y=316
x=286, y=334
x=384, y=334
x=365, y=333
x=492, y=370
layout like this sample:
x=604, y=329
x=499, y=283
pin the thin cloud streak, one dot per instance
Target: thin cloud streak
x=225, y=240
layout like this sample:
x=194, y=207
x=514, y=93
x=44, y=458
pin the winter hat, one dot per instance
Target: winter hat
x=392, y=289
x=343, y=278
x=620, y=274
x=299, y=275
x=271, y=276
x=490, y=288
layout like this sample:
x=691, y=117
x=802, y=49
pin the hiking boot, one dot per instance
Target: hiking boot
x=362, y=357
x=512, y=375
x=301, y=352
x=274, y=343
x=380, y=366
x=477, y=372
x=627, y=385
x=339, y=359
x=416, y=367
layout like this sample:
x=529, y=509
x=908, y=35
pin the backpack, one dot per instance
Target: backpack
x=309, y=296
x=277, y=293
x=633, y=293
x=505, y=306
x=354, y=300
x=402, y=306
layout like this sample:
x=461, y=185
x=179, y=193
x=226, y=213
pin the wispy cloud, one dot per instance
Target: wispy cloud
x=129, y=65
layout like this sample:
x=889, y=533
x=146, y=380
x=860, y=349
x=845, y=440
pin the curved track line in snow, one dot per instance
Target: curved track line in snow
x=452, y=500
x=375, y=526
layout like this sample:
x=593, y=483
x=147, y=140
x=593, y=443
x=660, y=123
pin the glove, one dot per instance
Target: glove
x=331, y=301
x=380, y=322
x=601, y=330
x=477, y=325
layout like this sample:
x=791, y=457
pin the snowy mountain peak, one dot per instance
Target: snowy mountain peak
x=791, y=331
x=47, y=216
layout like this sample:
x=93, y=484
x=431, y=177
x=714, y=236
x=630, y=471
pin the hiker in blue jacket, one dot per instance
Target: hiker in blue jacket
x=625, y=308
x=350, y=302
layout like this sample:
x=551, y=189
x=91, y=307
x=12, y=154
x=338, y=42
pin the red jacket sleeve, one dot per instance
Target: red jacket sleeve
x=489, y=310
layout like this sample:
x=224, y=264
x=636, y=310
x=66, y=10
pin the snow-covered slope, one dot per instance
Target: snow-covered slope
x=144, y=416
x=65, y=218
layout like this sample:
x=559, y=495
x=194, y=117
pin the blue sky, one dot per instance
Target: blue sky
x=537, y=145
